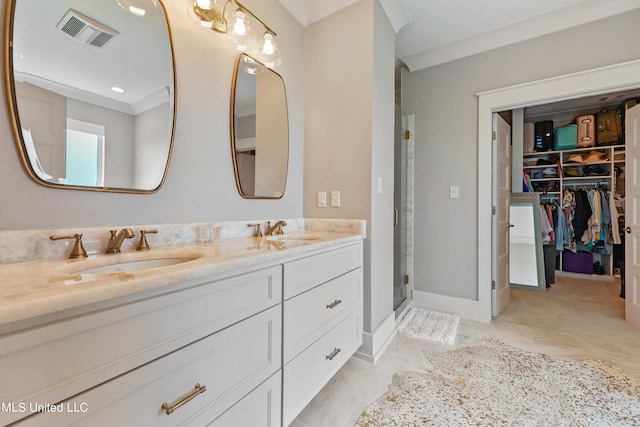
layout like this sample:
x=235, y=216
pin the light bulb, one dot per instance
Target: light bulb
x=139, y=7
x=207, y=14
x=240, y=23
x=270, y=55
x=238, y=33
x=268, y=48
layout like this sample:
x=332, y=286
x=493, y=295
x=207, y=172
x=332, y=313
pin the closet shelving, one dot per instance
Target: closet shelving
x=571, y=173
x=581, y=168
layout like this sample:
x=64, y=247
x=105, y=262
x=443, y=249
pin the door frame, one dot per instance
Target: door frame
x=618, y=77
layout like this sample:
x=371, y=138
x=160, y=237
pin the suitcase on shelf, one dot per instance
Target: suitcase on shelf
x=543, y=134
x=609, y=127
x=586, y=131
x=565, y=138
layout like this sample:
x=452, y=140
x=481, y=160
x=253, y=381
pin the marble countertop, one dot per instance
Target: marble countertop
x=39, y=291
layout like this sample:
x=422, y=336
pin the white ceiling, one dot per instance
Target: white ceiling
x=138, y=59
x=431, y=32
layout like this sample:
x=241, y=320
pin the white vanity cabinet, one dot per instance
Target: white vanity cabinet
x=249, y=346
x=121, y=364
x=322, y=322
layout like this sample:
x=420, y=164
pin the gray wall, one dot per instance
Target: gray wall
x=349, y=114
x=443, y=99
x=200, y=183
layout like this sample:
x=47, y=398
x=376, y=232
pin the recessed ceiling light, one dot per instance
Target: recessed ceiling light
x=117, y=89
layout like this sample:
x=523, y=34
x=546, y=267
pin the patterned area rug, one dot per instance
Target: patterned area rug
x=430, y=325
x=494, y=384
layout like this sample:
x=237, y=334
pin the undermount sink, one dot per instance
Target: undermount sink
x=128, y=266
x=293, y=237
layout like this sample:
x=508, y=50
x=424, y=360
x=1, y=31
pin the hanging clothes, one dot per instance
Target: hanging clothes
x=546, y=228
x=614, y=232
x=582, y=214
x=548, y=209
x=568, y=207
x=562, y=232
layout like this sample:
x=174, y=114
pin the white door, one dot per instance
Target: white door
x=632, y=219
x=500, y=285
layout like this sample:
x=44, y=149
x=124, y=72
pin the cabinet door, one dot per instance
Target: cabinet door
x=94, y=348
x=260, y=408
x=229, y=364
x=311, y=370
x=311, y=314
x=306, y=273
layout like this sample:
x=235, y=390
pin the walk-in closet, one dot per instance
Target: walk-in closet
x=580, y=181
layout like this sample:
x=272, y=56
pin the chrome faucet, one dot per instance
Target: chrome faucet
x=277, y=228
x=115, y=241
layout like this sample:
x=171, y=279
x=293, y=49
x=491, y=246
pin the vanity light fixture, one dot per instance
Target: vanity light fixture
x=140, y=8
x=209, y=14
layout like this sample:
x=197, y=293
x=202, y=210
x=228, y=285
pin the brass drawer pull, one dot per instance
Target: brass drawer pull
x=333, y=354
x=168, y=409
x=334, y=304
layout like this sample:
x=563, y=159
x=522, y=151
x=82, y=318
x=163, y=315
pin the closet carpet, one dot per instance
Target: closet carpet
x=576, y=319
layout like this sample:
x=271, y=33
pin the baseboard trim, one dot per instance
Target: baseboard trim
x=374, y=344
x=465, y=308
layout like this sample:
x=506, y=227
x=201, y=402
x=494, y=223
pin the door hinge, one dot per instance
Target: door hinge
x=406, y=279
x=493, y=210
x=494, y=136
x=407, y=134
x=493, y=284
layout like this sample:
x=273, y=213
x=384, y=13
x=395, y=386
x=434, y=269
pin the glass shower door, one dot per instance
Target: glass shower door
x=403, y=211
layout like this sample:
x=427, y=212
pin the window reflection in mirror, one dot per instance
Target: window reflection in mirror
x=85, y=154
x=259, y=130
x=93, y=108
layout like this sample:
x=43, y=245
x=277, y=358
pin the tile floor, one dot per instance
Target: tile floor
x=576, y=319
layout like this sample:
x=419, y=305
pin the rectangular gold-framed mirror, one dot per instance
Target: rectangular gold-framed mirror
x=259, y=130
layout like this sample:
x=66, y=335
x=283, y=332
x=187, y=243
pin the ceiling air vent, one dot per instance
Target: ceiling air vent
x=85, y=29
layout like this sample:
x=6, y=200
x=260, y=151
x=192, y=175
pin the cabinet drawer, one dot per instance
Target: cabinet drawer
x=306, y=273
x=229, y=364
x=305, y=375
x=261, y=408
x=311, y=314
x=91, y=349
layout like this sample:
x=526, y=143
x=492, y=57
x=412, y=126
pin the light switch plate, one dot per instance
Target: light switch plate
x=335, y=199
x=454, y=192
x=322, y=199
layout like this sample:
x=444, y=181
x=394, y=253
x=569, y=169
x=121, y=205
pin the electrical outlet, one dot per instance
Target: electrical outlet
x=322, y=199
x=335, y=199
